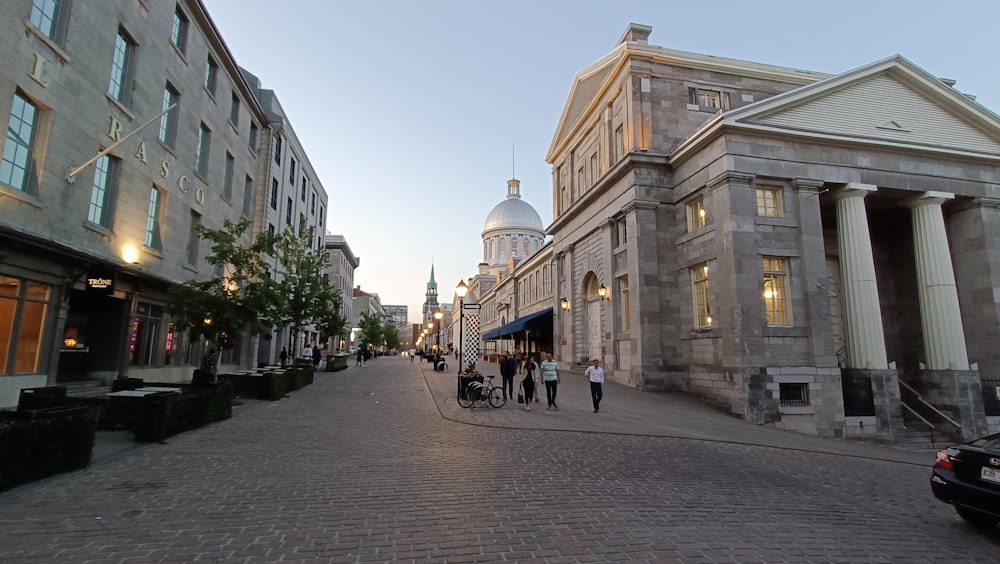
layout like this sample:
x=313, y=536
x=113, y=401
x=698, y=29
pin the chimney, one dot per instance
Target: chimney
x=636, y=33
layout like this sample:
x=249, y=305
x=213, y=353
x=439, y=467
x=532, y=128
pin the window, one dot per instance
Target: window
x=288, y=213
x=312, y=204
x=227, y=181
x=121, y=68
x=291, y=175
x=234, y=109
x=274, y=194
x=168, y=121
x=102, y=194
x=619, y=143
x=621, y=232
x=247, y=196
x=17, y=167
x=702, y=307
x=253, y=136
x=50, y=17
x=153, y=240
x=697, y=217
x=776, y=290
x=204, y=146
x=303, y=191
x=23, y=312
x=179, y=32
x=193, y=240
x=769, y=202
x=211, y=73
x=707, y=100
x=793, y=395
x=145, y=335
x=595, y=168
x=624, y=318
x=321, y=216
x=277, y=150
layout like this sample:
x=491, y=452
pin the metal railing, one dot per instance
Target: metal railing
x=915, y=403
x=991, y=397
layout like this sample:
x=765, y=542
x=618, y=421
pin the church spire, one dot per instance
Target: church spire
x=432, y=283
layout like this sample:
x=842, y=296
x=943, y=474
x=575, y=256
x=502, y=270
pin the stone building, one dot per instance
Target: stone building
x=90, y=247
x=800, y=249
x=340, y=273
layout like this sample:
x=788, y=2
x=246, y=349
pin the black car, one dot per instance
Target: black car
x=968, y=477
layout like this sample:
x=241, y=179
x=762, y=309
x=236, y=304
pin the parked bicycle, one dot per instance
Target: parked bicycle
x=481, y=394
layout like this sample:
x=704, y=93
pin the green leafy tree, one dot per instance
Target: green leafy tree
x=371, y=329
x=224, y=307
x=304, y=296
x=391, y=337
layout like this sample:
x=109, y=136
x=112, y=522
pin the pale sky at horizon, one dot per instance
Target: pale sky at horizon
x=408, y=111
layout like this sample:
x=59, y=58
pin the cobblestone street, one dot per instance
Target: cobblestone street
x=376, y=463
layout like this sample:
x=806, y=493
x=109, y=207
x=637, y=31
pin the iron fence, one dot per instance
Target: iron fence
x=991, y=397
x=859, y=401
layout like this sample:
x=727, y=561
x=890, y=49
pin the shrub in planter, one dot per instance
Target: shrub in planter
x=43, y=442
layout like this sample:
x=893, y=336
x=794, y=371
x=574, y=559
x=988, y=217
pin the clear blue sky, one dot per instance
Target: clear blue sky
x=409, y=109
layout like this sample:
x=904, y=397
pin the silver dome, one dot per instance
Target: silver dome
x=513, y=213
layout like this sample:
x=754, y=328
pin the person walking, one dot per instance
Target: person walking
x=317, y=355
x=508, y=368
x=596, y=375
x=529, y=381
x=283, y=357
x=550, y=375
x=361, y=356
x=307, y=352
x=413, y=353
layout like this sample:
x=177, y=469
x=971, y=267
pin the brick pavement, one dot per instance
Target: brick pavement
x=375, y=464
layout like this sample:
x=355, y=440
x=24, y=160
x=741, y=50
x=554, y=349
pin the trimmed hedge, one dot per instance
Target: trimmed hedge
x=268, y=384
x=42, y=442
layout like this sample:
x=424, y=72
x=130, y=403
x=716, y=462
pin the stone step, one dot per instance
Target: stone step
x=86, y=389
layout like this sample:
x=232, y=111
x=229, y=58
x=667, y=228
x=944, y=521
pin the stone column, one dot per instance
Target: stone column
x=864, y=333
x=941, y=320
x=813, y=271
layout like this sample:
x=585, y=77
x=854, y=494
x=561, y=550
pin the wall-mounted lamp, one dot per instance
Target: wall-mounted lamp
x=564, y=303
x=602, y=291
x=130, y=255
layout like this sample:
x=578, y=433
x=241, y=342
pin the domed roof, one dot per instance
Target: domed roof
x=513, y=212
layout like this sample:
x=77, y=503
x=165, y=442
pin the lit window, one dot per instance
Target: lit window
x=211, y=72
x=775, y=290
x=144, y=340
x=702, y=307
x=769, y=202
x=153, y=240
x=23, y=314
x=697, y=216
x=16, y=169
x=227, y=181
x=626, y=321
x=168, y=121
x=102, y=193
x=121, y=67
x=204, y=147
x=179, y=31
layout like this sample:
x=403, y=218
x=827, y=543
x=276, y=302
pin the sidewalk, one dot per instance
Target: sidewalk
x=628, y=411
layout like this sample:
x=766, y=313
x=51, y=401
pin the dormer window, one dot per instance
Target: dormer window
x=706, y=100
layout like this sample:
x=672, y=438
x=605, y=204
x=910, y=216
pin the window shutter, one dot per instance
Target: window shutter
x=692, y=96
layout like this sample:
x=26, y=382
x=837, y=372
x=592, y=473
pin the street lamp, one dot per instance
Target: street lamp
x=461, y=291
x=439, y=315
x=602, y=291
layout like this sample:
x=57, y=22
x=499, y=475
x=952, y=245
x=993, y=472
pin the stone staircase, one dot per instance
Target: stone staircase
x=86, y=388
x=918, y=435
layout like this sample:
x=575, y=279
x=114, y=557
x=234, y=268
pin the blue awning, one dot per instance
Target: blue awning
x=531, y=322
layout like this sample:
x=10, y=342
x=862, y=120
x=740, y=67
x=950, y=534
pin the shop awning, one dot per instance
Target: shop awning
x=531, y=322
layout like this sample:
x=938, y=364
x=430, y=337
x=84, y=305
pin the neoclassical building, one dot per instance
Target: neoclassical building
x=817, y=252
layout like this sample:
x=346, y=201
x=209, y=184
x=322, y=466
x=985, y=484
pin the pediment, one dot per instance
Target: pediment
x=896, y=104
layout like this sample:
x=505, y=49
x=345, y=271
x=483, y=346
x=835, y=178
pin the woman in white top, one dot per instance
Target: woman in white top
x=596, y=375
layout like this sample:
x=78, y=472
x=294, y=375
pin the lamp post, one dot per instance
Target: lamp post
x=439, y=315
x=461, y=291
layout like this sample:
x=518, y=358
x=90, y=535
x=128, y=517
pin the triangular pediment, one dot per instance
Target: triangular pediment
x=584, y=92
x=894, y=102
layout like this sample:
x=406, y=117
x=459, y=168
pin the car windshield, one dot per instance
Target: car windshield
x=990, y=442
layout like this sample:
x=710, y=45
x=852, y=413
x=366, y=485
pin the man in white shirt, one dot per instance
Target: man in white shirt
x=596, y=375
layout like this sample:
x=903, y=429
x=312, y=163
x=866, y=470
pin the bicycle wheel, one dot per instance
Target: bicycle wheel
x=465, y=399
x=497, y=398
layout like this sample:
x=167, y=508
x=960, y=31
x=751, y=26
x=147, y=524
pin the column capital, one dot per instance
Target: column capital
x=806, y=184
x=730, y=177
x=854, y=190
x=927, y=199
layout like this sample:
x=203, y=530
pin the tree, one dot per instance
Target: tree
x=222, y=308
x=304, y=295
x=371, y=329
x=391, y=337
